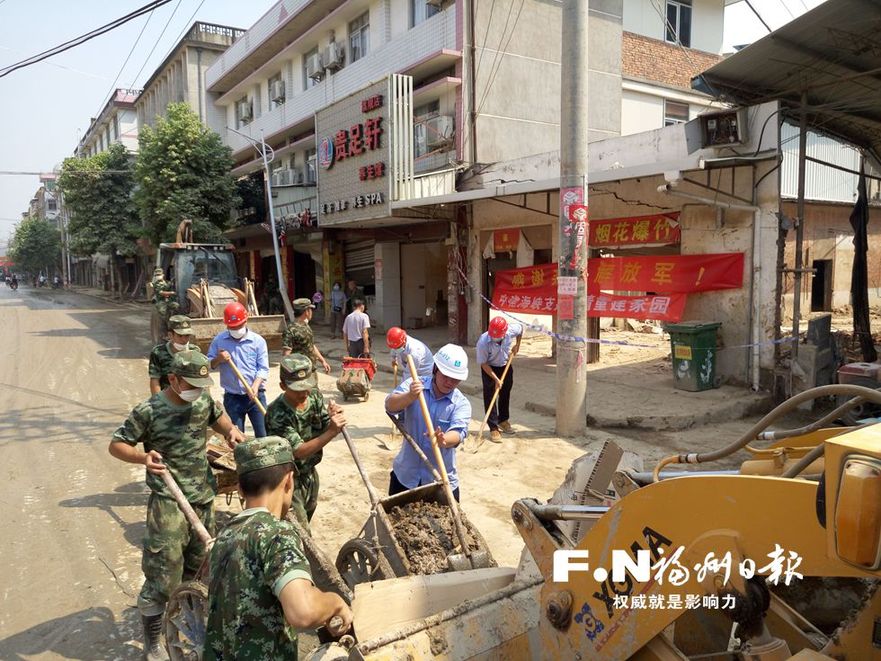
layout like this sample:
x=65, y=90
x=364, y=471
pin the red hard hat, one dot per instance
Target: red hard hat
x=396, y=337
x=498, y=326
x=234, y=315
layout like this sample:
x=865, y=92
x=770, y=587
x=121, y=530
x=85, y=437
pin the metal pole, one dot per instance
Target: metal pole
x=800, y=223
x=572, y=315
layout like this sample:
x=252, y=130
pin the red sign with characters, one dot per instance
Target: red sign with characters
x=666, y=307
x=657, y=229
x=506, y=240
x=531, y=289
x=666, y=273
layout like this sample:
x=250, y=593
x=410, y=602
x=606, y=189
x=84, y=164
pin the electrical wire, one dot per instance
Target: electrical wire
x=77, y=41
x=127, y=58
x=155, y=44
x=759, y=16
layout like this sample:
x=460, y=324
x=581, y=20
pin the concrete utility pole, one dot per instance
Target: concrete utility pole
x=572, y=293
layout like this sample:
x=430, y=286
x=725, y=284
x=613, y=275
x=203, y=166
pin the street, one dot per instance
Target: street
x=72, y=368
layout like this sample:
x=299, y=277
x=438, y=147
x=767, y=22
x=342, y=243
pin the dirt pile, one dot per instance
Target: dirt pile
x=427, y=535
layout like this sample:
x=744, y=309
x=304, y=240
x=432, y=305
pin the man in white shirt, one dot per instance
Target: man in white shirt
x=355, y=334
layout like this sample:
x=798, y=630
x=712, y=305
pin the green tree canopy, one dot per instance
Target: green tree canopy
x=36, y=245
x=98, y=194
x=183, y=171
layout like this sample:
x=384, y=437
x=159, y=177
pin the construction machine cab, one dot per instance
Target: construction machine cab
x=187, y=264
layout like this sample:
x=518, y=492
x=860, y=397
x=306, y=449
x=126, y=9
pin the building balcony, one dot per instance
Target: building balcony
x=427, y=48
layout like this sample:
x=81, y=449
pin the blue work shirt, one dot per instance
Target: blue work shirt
x=422, y=357
x=495, y=353
x=249, y=354
x=452, y=412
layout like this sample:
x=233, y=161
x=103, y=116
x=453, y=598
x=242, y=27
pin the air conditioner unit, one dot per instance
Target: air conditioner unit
x=314, y=67
x=438, y=131
x=244, y=111
x=334, y=55
x=276, y=90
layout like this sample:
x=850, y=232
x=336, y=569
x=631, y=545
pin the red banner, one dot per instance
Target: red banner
x=530, y=289
x=657, y=229
x=667, y=307
x=680, y=274
x=506, y=240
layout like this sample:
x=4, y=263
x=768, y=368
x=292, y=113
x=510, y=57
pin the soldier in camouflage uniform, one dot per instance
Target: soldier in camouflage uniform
x=164, y=299
x=179, y=335
x=171, y=426
x=261, y=587
x=301, y=416
x=298, y=336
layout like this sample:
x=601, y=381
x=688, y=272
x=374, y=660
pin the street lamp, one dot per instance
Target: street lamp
x=268, y=155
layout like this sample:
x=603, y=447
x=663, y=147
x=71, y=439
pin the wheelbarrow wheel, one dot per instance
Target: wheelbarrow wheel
x=357, y=562
x=186, y=619
x=366, y=395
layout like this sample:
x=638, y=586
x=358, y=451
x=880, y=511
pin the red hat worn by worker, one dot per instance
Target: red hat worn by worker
x=396, y=337
x=498, y=326
x=235, y=315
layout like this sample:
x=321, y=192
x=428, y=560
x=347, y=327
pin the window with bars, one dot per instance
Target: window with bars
x=678, y=28
x=359, y=37
x=675, y=112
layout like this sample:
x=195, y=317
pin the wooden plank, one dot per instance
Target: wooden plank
x=382, y=606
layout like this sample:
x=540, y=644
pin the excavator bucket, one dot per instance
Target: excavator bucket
x=269, y=326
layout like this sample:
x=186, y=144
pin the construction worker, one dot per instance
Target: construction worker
x=298, y=336
x=356, y=336
x=179, y=334
x=248, y=352
x=261, y=587
x=402, y=345
x=164, y=299
x=300, y=415
x=171, y=426
x=450, y=412
x=500, y=341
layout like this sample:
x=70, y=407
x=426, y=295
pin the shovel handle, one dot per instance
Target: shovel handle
x=371, y=491
x=186, y=508
x=495, y=396
x=246, y=386
x=397, y=425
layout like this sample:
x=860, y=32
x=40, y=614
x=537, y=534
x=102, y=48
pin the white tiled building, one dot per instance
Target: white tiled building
x=117, y=122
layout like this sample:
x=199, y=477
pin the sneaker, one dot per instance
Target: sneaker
x=506, y=427
x=495, y=436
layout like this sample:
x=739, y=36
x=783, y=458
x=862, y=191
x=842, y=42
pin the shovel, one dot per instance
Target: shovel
x=393, y=439
x=479, y=438
x=413, y=444
x=187, y=509
x=456, y=561
x=246, y=386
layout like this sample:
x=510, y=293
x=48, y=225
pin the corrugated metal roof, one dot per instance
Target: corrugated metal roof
x=832, y=53
x=822, y=183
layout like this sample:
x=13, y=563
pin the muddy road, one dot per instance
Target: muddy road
x=71, y=368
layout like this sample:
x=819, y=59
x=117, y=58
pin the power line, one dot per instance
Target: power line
x=77, y=41
x=156, y=43
x=128, y=57
x=759, y=16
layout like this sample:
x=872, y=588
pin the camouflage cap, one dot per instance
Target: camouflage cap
x=301, y=305
x=193, y=367
x=297, y=373
x=180, y=324
x=257, y=453
x=158, y=271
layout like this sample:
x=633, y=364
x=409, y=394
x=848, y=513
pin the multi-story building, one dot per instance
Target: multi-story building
x=46, y=202
x=181, y=76
x=117, y=122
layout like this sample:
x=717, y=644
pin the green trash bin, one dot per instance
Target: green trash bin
x=693, y=346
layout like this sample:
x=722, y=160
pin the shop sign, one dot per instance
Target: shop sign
x=506, y=240
x=655, y=229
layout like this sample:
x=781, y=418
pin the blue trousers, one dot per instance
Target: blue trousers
x=239, y=406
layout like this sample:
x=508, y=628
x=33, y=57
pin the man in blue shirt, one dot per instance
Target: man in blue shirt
x=403, y=345
x=493, y=349
x=248, y=352
x=450, y=413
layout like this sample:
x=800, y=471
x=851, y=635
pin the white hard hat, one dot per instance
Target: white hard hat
x=452, y=361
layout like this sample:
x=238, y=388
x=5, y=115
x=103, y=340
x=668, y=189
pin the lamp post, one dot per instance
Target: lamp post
x=267, y=154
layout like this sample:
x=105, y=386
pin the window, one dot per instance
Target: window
x=276, y=91
x=421, y=10
x=51, y=205
x=359, y=37
x=675, y=113
x=420, y=130
x=678, y=28
x=310, y=166
x=307, y=81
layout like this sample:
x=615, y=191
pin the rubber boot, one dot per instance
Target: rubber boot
x=153, y=649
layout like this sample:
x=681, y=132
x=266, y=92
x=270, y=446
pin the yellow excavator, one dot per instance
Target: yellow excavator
x=779, y=559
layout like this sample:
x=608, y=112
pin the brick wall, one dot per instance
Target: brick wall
x=644, y=58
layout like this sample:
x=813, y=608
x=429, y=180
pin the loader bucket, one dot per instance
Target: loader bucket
x=270, y=327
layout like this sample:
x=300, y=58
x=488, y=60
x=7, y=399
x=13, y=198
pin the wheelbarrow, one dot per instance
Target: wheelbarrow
x=376, y=553
x=356, y=377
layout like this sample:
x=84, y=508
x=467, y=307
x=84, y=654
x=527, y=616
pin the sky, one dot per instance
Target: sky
x=45, y=108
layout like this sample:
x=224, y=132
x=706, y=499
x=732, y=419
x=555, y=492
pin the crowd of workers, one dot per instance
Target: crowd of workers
x=261, y=587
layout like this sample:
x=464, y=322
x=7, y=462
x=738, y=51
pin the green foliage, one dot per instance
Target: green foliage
x=183, y=171
x=103, y=215
x=36, y=245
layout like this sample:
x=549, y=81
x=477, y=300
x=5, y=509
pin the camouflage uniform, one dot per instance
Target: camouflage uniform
x=299, y=426
x=171, y=551
x=162, y=354
x=298, y=337
x=165, y=307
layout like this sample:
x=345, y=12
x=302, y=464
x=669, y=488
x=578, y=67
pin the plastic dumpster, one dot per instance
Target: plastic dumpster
x=693, y=346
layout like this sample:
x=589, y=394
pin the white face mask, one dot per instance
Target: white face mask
x=181, y=347
x=190, y=395
x=238, y=333
x=336, y=287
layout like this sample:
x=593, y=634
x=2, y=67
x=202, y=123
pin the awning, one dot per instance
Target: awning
x=832, y=54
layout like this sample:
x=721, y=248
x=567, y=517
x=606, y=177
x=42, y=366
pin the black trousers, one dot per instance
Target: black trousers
x=356, y=347
x=501, y=409
x=395, y=486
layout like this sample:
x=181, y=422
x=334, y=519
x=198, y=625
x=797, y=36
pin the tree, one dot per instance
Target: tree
x=36, y=245
x=183, y=171
x=98, y=192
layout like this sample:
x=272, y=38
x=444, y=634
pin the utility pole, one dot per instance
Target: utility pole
x=572, y=232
